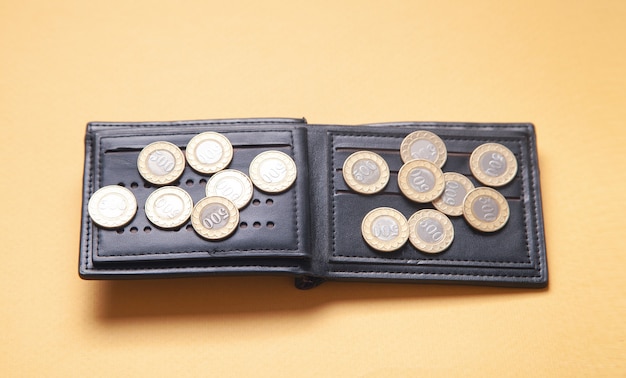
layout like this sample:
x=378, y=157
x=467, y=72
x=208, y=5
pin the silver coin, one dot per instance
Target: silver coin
x=112, y=206
x=420, y=181
x=430, y=231
x=169, y=207
x=231, y=184
x=209, y=152
x=385, y=229
x=161, y=162
x=365, y=172
x=493, y=164
x=215, y=218
x=273, y=171
x=423, y=145
x=486, y=209
x=451, y=201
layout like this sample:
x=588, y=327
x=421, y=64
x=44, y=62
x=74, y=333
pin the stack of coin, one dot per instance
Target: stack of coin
x=216, y=216
x=170, y=207
x=421, y=180
x=484, y=208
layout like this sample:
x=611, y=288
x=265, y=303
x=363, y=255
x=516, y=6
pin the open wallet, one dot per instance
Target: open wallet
x=311, y=231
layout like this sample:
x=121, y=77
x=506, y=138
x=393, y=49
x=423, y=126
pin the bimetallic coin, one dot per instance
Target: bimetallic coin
x=168, y=207
x=424, y=145
x=451, y=201
x=486, y=209
x=493, y=164
x=430, y=231
x=366, y=172
x=209, y=152
x=421, y=181
x=112, y=206
x=385, y=229
x=273, y=171
x=214, y=218
x=161, y=163
x=231, y=184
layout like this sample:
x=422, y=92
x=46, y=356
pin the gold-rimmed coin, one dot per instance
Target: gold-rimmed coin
x=231, y=184
x=424, y=145
x=112, y=206
x=215, y=218
x=385, y=229
x=421, y=181
x=168, y=207
x=272, y=171
x=161, y=163
x=450, y=202
x=486, y=209
x=493, y=164
x=209, y=152
x=430, y=231
x=366, y=172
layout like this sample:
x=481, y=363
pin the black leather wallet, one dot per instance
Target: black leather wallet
x=311, y=231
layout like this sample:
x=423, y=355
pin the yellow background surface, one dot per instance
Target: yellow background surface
x=560, y=65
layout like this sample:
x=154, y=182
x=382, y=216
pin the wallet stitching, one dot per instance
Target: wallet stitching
x=450, y=125
x=199, y=123
x=356, y=272
x=200, y=267
x=332, y=193
x=526, y=214
x=190, y=132
x=210, y=266
x=516, y=139
x=210, y=252
x=295, y=197
x=90, y=186
x=444, y=137
x=406, y=261
x=539, y=267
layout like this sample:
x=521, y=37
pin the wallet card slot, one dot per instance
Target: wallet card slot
x=457, y=162
x=501, y=247
x=270, y=225
x=129, y=139
x=350, y=191
x=473, y=254
x=380, y=151
x=189, y=267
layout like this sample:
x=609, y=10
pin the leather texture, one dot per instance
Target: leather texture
x=315, y=225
